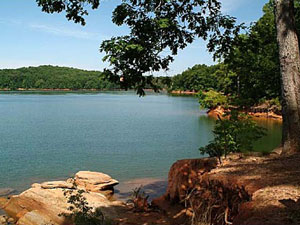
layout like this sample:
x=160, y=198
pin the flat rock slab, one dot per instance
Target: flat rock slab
x=94, y=181
x=93, y=177
x=57, y=184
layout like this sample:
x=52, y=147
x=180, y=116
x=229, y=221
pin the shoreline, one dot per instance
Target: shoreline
x=36, y=203
x=55, y=90
x=219, y=111
x=251, y=190
x=72, y=90
x=153, y=186
x=183, y=93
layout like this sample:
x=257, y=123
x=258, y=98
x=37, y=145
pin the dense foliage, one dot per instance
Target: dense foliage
x=235, y=133
x=50, y=77
x=254, y=58
x=212, y=99
x=250, y=73
x=204, y=78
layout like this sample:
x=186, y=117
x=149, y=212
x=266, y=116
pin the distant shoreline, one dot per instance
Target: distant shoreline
x=190, y=93
x=70, y=90
x=55, y=89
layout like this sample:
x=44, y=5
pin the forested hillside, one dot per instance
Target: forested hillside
x=53, y=77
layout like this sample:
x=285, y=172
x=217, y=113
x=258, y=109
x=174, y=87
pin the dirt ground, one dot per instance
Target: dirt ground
x=272, y=183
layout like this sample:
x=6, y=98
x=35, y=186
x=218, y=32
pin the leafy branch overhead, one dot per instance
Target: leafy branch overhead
x=156, y=27
x=75, y=9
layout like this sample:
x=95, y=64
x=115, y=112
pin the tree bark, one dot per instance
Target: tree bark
x=290, y=74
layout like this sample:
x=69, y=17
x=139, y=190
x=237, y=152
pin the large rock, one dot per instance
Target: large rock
x=43, y=203
x=94, y=181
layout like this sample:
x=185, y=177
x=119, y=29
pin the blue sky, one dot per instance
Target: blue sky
x=29, y=37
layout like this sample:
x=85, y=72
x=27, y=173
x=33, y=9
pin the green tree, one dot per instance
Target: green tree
x=254, y=59
x=234, y=134
x=212, y=99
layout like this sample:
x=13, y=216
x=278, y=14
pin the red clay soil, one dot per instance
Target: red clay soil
x=244, y=190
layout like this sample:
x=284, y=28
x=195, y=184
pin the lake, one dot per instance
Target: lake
x=52, y=136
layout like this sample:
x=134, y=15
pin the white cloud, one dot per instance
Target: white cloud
x=61, y=31
x=229, y=6
x=57, y=30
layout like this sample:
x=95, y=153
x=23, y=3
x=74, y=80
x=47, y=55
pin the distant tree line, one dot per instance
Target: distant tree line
x=53, y=77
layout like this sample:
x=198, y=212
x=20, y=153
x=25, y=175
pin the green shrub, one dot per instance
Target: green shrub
x=81, y=213
x=275, y=102
x=212, y=99
x=236, y=133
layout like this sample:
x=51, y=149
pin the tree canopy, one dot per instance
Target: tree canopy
x=251, y=70
x=155, y=26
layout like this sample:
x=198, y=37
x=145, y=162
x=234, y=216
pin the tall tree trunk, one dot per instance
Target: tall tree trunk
x=290, y=74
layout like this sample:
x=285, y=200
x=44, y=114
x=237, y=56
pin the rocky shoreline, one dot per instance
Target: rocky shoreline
x=43, y=203
x=255, y=112
x=244, y=190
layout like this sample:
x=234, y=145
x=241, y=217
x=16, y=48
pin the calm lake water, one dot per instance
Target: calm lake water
x=50, y=137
